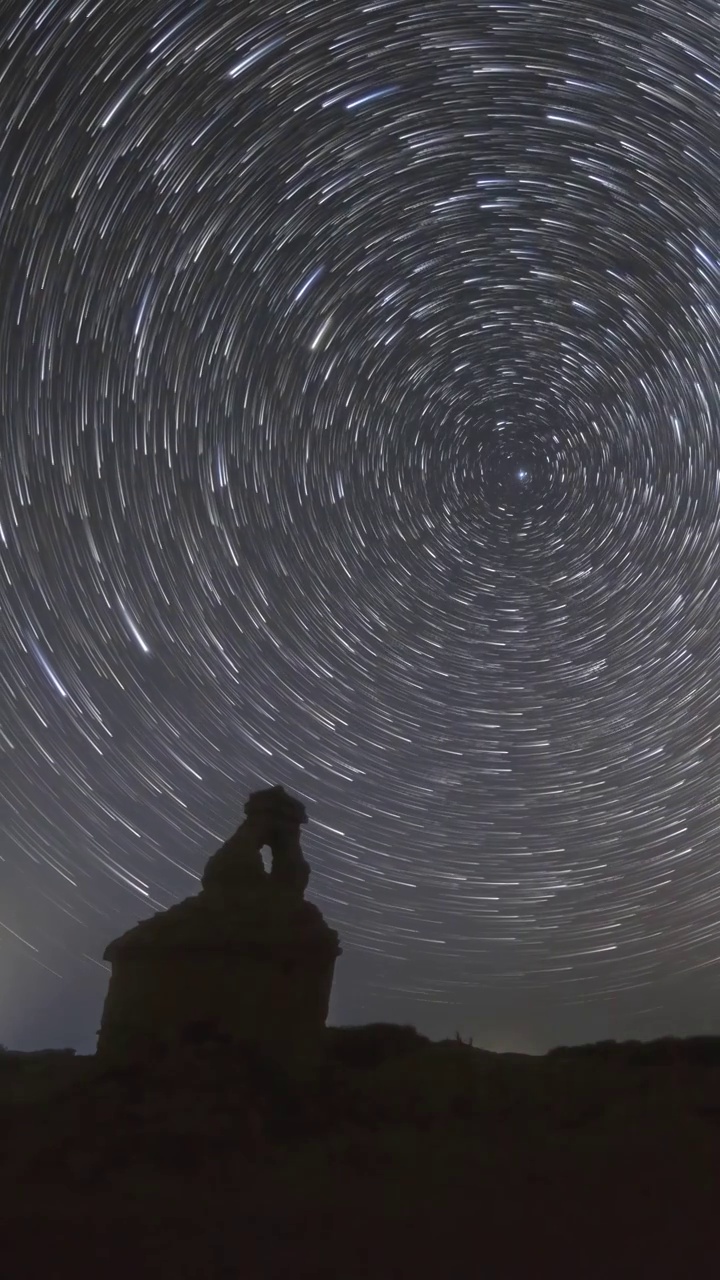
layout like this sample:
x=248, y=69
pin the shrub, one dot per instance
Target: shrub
x=369, y=1046
x=670, y=1050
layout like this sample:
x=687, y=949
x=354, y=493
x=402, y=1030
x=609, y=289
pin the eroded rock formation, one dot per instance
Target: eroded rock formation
x=248, y=959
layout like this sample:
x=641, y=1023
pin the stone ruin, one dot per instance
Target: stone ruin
x=247, y=959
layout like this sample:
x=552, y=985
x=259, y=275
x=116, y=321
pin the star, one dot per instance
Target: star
x=360, y=408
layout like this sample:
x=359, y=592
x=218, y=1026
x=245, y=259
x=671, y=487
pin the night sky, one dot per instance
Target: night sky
x=360, y=396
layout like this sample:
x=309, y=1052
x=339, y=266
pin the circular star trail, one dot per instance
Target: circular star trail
x=360, y=402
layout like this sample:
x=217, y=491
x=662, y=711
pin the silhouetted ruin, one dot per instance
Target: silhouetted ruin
x=247, y=960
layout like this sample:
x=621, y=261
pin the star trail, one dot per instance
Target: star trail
x=360, y=433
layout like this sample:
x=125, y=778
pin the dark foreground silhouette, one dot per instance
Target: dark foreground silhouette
x=390, y=1157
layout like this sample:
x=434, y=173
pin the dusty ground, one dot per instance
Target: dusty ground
x=442, y=1167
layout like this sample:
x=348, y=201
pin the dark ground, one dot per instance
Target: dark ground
x=407, y=1160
